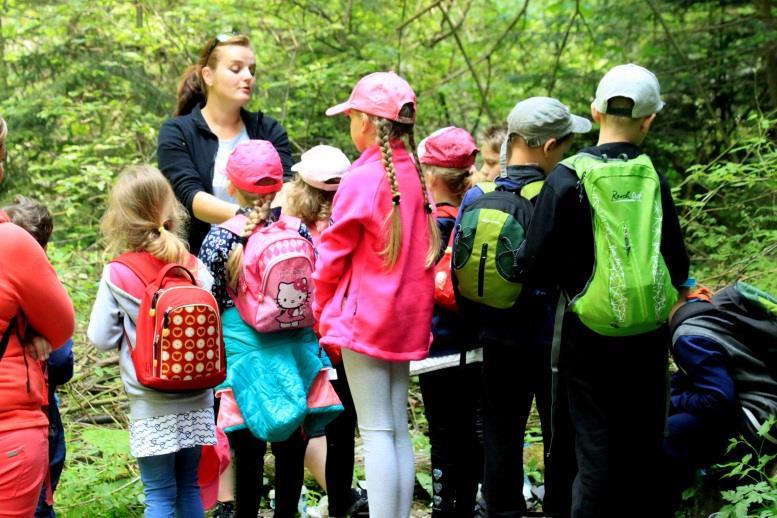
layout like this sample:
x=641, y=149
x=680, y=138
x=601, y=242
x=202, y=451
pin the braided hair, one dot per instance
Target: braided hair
x=259, y=215
x=387, y=130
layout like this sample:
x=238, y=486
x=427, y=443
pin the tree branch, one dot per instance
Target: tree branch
x=486, y=55
x=561, y=48
x=699, y=90
x=483, y=92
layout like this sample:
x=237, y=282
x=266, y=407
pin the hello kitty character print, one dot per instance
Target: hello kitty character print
x=277, y=275
x=292, y=299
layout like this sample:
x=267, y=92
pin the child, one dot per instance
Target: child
x=726, y=383
x=516, y=342
x=36, y=219
x=309, y=197
x=374, y=280
x=450, y=377
x=269, y=373
x=167, y=429
x=491, y=140
x=614, y=365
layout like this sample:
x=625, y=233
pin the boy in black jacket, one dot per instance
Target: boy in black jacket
x=616, y=384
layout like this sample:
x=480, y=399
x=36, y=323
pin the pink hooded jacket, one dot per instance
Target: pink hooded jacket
x=360, y=305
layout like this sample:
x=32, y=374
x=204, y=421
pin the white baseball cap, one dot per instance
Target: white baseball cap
x=632, y=82
x=322, y=167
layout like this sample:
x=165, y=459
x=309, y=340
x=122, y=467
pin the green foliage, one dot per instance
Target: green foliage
x=85, y=85
x=757, y=493
x=101, y=478
x=729, y=209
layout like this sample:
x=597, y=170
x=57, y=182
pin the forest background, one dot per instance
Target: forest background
x=86, y=84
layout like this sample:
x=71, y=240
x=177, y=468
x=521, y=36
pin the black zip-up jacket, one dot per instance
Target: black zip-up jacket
x=186, y=154
x=559, y=247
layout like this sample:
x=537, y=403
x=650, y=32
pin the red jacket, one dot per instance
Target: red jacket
x=28, y=285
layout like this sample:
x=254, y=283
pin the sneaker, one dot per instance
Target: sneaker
x=225, y=510
x=360, y=507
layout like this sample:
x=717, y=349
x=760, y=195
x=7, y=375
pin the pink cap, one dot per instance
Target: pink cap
x=254, y=166
x=448, y=147
x=381, y=94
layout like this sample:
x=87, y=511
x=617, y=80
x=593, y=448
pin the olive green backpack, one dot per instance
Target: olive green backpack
x=630, y=290
x=490, y=232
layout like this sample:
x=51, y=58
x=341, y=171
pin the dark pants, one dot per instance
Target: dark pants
x=340, y=450
x=617, y=401
x=452, y=404
x=249, y=468
x=513, y=375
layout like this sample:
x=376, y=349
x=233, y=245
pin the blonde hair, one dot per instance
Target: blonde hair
x=388, y=130
x=259, y=215
x=308, y=203
x=457, y=181
x=143, y=215
x=192, y=90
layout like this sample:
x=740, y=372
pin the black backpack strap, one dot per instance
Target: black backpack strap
x=7, y=336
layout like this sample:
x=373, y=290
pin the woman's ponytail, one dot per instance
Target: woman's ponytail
x=190, y=91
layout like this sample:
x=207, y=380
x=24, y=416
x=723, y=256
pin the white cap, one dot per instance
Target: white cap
x=322, y=167
x=633, y=82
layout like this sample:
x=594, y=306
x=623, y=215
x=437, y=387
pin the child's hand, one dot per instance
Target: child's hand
x=38, y=347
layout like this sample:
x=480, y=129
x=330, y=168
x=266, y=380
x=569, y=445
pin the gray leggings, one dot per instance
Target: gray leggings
x=379, y=390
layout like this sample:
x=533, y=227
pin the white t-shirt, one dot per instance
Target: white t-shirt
x=219, y=168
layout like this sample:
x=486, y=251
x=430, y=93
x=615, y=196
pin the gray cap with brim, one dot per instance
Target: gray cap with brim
x=539, y=119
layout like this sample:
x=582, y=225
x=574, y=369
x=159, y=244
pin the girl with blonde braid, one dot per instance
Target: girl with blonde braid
x=374, y=280
x=269, y=373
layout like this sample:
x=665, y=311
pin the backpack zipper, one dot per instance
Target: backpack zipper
x=482, y=268
x=272, y=263
x=626, y=240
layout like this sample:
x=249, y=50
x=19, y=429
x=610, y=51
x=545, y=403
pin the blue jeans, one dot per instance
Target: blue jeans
x=170, y=484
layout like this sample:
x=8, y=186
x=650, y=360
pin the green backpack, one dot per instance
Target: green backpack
x=630, y=290
x=491, y=230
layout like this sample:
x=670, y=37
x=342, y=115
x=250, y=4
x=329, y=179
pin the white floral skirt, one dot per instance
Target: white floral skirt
x=170, y=433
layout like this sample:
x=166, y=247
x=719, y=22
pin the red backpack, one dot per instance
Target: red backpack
x=179, y=346
x=443, y=286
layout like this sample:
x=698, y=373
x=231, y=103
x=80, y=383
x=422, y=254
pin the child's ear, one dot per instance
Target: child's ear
x=548, y=146
x=646, y=123
x=595, y=115
x=230, y=188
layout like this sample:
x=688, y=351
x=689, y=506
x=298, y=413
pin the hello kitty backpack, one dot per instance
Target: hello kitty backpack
x=275, y=288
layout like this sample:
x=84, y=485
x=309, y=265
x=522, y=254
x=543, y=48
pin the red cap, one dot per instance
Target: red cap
x=448, y=147
x=382, y=94
x=253, y=162
x=214, y=460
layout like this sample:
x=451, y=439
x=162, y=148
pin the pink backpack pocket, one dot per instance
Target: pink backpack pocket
x=275, y=289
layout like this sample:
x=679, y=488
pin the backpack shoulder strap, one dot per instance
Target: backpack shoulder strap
x=235, y=224
x=486, y=186
x=447, y=211
x=532, y=189
x=7, y=335
x=292, y=222
x=145, y=266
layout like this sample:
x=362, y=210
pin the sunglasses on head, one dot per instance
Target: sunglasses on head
x=217, y=40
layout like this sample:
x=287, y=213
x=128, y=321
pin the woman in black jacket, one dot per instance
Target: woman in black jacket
x=209, y=121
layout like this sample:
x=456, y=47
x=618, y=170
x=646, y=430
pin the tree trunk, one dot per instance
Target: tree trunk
x=764, y=8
